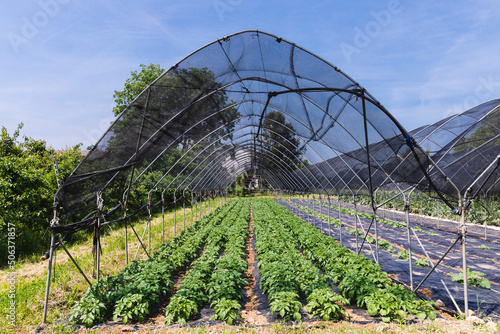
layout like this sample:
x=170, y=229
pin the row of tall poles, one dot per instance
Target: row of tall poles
x=201, y=204
x=325, y=200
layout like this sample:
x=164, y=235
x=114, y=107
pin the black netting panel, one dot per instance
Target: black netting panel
x=255, y=104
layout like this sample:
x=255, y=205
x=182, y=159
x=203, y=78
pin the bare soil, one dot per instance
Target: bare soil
x=250, y=313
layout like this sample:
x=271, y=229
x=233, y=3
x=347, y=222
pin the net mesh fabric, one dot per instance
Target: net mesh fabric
x=253, y=102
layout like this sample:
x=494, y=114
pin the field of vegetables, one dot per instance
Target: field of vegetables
x=300, y=268
x=429, y=241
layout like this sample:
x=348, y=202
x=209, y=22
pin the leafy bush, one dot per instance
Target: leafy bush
x=395, y=303
x=355, y=287
x=27, y=188
x=88, y=310
x=325, y=304
x=286, y=304
x=133, y=307
x=180, y=308
x=226, y=310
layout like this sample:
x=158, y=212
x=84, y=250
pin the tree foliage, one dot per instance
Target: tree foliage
x=135, y=85
x=198, y=114
x=27, y=187
x=281, y=140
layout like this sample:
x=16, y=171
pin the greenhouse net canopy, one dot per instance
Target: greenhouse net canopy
x=257, y=104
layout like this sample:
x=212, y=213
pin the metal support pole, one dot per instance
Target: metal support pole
x=98, y=244
x=421, y=206
x=308, y=216
x=74, y=262
x=329, y=223
x=127, y=191
x=394, y=209
x=183, y=211
x=196, y=208
x=49, y=272
x=192, y=209
x=366, y=235
x=464, y=261
x=376, y=234
x=485, y=218
x=321, y=212
x=367, y=148
x=314, y=207
x=149, y=225
x=340, y=218
x=175, y=214
x=140, y=241
x=162, y=217
x=125, y=196
x=126, y=242
x=407, y=217
x=438, y=214
x=356, y=222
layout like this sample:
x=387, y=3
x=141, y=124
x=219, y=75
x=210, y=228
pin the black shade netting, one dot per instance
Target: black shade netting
x=254, y=103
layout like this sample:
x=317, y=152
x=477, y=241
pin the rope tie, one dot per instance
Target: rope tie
x=54, y=222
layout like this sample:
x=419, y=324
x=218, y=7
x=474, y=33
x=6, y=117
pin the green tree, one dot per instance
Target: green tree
x=184, y=112
x=279, y=138
x=27, y=187
x=135, y=85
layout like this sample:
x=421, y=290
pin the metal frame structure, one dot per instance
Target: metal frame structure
x=254, y=102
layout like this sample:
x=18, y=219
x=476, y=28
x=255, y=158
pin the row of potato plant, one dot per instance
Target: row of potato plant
x=384, y=221
x=358, y=278
x=131, y=294
x=383, y=244
x=286, y=275
x=218, y=279
x=225, y=288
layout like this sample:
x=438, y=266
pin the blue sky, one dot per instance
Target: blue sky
x=62, y=60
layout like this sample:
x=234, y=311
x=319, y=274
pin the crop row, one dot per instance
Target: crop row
x=358, y=278
x=286, y=275
x=384, y=221
x=383, y=244
x=131, y=294
x=214, y=277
